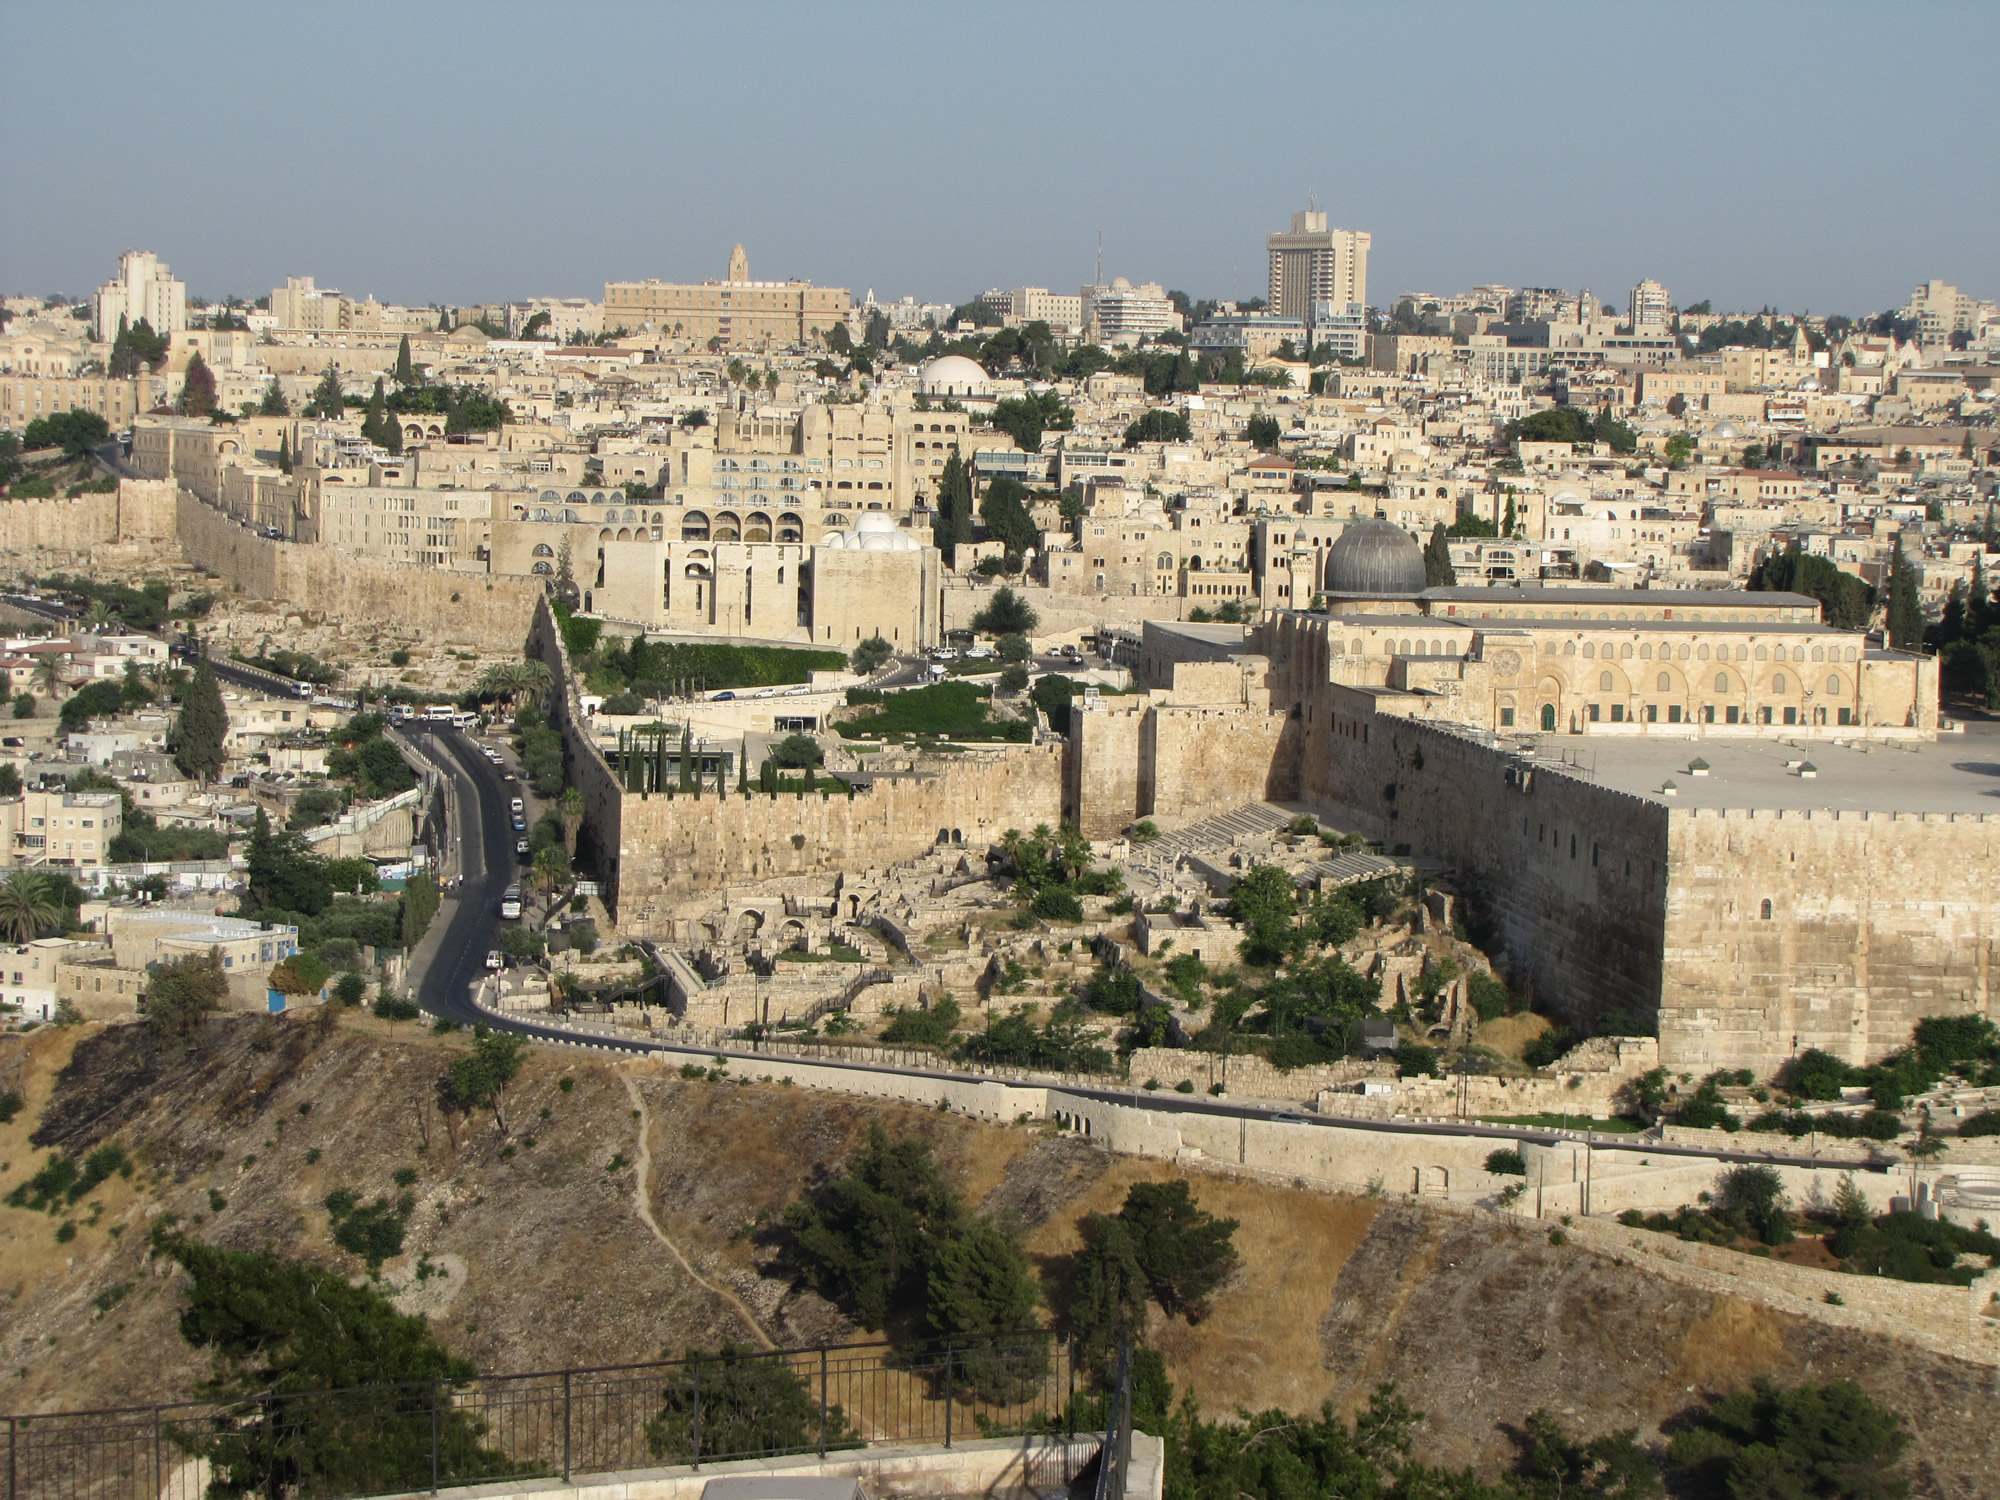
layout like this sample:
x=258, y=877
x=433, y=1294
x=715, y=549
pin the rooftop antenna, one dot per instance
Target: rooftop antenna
x=1312, y=199
x=1100, y=258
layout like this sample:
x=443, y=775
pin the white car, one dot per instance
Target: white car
x=979, y=653
x=494, y=960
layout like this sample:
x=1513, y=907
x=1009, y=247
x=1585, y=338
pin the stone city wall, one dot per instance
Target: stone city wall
x=1875, y=920
x=677, y=845
x=466, y=609
x=52, y=531
x=1175, y=764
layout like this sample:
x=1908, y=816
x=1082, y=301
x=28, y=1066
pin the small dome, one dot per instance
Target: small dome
x=875, y=520
x=1374, y=557
x=1724, y=430
x=953, y=375
x=1120, y=284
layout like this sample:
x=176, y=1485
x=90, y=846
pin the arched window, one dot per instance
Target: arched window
x=1833, y=684
x=1589, y=648
x=1722, y=682
x=1604, y=682
x=1666, y=682
x=1165, y=562
x=1760, y=653
x=1569, y=648
x=1766, y=909
x=543, y=569
x=1625, y=652
x=543, y=549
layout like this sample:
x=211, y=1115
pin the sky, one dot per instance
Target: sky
x=1819, y=156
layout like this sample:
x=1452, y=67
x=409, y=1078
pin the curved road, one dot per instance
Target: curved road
x=487, y=863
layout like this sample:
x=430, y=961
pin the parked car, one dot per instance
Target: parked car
x=723, y=698
x=494, y=960
x=521, y=845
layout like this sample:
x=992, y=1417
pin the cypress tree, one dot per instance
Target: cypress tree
x=687, y=758
x=1905, y=617
x=406, y=373
x=1438, y=571
x=201, y=726
x=197, y=388
x=377, y=417
x=326, y=397
x=284, y=453
x=124, y=362
x=1975, y=599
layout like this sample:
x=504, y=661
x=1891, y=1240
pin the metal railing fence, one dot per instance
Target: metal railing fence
x=427, y=1435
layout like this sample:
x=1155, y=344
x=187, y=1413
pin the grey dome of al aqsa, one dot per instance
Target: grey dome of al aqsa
x=1374, y=557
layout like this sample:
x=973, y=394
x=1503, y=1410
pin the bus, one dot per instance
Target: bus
x=510, y=903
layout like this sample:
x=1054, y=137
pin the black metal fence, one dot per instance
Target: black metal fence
x=1114, y=1458
x=426, y=1435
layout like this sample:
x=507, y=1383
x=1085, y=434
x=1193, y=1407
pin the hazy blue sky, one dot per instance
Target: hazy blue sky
x=1820, y=155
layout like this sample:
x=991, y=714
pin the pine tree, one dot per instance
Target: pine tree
x=1905, y=616
x=326, y=397
x=406, y=373
x=1438, y=571
x=444, y=320
x=197, y=388
x=1976, y=612
x=201, y=726
x=124, y=362
x=274, y=403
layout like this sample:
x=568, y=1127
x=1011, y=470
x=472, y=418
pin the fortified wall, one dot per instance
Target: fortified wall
x=467, y=609
x=653, y=851
x=60, y=530
x=1839, y=930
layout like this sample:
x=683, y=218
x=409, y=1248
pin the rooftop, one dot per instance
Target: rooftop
x=1954, y=774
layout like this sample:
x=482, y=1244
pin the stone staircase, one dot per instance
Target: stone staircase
x=1254, y=820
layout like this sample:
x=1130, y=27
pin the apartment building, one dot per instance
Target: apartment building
x=144, y=288
x=1311, y=264
x=737, y=312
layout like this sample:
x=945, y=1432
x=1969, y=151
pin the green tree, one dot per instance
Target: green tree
x=1005, y=517
x=405, y=372
x=979, y=1284
x=284, y=453
x=1158, y=425
x=181, y=993
x=1006, y=613
x=1110, y=1289
x=1025, y=418
x=197, y=388
x=327, y=400
x=1827, y=1440
x=124, y=362
x=1184, y=1251
x=954, y=504
x=861, y=1237
x=278, y=1328
x=478, y=1079
x=1906, y=617
x=797, y=751
x=871, y=655
x=741, y=1404
x=1555, y=1466
x=1053, y=694
x=274, y=403
x=201, y=726
x=149, y=347
x=1265, y=901
x=29, y=905
x=1438, y=571
x=377, y=426
x=75, y=431
x=1263, y=431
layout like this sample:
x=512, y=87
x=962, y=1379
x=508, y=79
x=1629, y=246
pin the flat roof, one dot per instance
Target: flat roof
x=1496, y=623
x=1956, y=773
x=1674, y=598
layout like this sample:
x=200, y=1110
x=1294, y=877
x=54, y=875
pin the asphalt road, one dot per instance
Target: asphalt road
x=486, y=865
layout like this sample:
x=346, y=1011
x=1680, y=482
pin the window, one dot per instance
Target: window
x=1708, y=713
x=1833, y=684
x=1735, y=714
x=1722, y=682
x=1604, y=682
x=1506, y=718
x=1652, y=713
x=1765, y=909
x=1791, y=716
x=1593, y=713
x=1618, y=713
x=1778, y=682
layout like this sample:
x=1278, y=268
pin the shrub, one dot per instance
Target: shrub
x=1415, y=1060
x=1986, y=1122
x=1814, y=1074
x=1506, y=1162
x=930, y=1027
x=1053, y=903
x=1544, y=1050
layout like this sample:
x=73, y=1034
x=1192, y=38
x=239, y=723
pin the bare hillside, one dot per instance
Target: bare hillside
x=550, y=1261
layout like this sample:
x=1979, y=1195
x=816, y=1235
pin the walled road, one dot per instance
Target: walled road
x=470, y=922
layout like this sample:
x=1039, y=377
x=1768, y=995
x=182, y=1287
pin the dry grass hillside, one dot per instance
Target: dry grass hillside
x=550, y=1262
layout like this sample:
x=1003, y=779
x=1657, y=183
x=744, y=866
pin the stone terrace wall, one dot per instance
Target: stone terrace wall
x=467, y=609
x=1877, y=920
x=140, y=510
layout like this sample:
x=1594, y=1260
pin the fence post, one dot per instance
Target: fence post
x=697, y=1413
x=12, y=1426
x=159, y=1476
x=566, y=1426
x=822, y=1401
x=947, y=1395
x=434, y=1437
x=1069, y=1410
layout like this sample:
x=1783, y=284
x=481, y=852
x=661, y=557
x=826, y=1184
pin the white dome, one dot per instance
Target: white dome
x=1120, y=284
x=1724, y=430
x=953, y=375
x=834, y=539
x=877, y=521
x=877, y=541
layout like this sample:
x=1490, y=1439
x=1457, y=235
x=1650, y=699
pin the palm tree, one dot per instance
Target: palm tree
x=98, y=615
x=570, y=810
x=28, y=903
x=548, y=871
x=48, y=672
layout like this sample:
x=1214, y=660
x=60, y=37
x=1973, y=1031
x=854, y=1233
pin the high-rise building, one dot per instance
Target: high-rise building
x=1650, y=308
x=1311, y=264
x=1121, y=313
x=1940, y=309
x=143, y=288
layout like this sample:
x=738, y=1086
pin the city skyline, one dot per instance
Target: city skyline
x=495, y=182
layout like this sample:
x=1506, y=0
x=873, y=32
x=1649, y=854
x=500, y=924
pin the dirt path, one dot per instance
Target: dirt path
x=642, y=1201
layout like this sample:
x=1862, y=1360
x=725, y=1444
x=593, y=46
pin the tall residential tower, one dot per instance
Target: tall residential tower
x=1312, y=265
